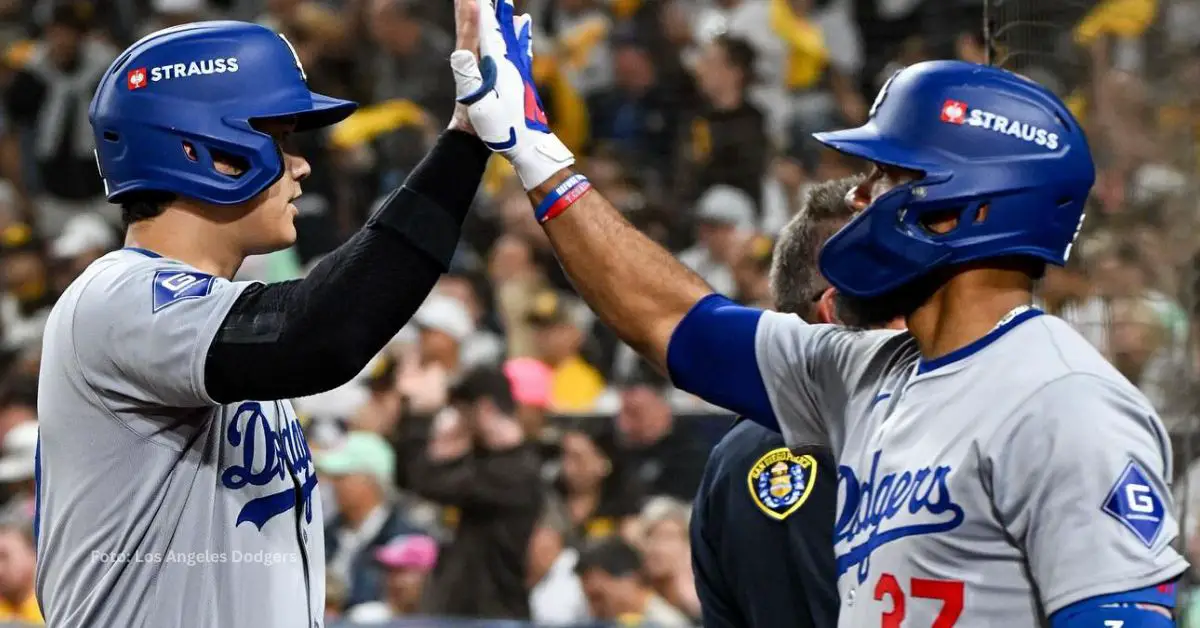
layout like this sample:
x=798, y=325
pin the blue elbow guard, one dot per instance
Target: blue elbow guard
x=1142, y=608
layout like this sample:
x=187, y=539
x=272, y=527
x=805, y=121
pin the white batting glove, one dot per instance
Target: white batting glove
x=500, y=96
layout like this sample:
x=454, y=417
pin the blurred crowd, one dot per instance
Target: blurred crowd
x=506, y=456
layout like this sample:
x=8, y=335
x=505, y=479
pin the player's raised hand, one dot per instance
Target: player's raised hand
x=466, y=31
x=496, y=85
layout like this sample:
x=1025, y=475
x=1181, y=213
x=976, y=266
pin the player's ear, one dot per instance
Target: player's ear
x=825, y=311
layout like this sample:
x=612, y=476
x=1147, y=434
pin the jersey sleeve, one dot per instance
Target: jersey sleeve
x=142, y=331
x=769, y=367
x=1079, y=481
x=802, y=369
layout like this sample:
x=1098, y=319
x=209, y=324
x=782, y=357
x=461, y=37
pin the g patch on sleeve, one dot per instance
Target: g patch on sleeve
x=780, y=482
x=173, y=286
x=1134, y=502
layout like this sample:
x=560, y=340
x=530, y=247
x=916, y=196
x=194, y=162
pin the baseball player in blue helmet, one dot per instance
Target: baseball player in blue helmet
x=175, y=486
x=993, y=468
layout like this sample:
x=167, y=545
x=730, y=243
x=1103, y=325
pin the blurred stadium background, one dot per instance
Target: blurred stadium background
x=693, y=117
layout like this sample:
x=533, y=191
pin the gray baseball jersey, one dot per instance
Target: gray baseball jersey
x=991, y=487
x=156, y=505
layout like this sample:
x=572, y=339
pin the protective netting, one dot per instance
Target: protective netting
x=1129, y=70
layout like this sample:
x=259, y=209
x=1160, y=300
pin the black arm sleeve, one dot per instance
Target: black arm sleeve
x=298, y=338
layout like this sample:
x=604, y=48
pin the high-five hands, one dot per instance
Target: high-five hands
x=502, y=102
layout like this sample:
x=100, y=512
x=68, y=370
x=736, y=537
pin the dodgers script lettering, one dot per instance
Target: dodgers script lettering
x=267, y=456
x=889, y=508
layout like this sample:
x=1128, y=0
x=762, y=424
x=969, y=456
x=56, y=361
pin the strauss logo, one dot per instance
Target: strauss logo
x=954, y=112
x=136, y=79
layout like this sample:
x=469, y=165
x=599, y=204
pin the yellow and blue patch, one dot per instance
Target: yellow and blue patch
x=780, y=482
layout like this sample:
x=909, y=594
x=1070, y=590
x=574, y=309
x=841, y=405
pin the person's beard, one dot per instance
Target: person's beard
x=863, y=313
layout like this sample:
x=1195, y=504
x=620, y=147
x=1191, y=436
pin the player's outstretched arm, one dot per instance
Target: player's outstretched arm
x=635, y=286
x=638, y=288
x=300, y=338
x=709, y=345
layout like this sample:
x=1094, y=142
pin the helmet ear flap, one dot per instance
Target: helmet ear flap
x=219, y=170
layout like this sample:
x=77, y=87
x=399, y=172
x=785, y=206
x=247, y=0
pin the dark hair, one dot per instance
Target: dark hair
x=484, y=382
x=621, y=486
x=612, y=555
x=741, y=55
x=795, y=280
x=139, y=206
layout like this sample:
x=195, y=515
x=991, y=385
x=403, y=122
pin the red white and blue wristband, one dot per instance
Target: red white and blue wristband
x=562, y=196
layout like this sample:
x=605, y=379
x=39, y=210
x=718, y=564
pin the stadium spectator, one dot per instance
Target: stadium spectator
x=803, y=163
x=17, y=600
x=46, y=103
x=18, y=400
x=1118, y=310
x=596, y=492
x=406, y=561
x=575, y=384
x=636, y=113
x=518, y=278
x=580, y=29
x=444, y=325
x=729, y=142
x=360, y=470
x=84, y=239
x=17, y=456
x=611, y=572
x=622, y=177
x=750, y=272
x=372, y=402
x=668, y=459
x=483, y=347
x=335, y=599
x=555, y=592
x=29, y=293
x=530, y=380
x=724, y=218
x=479, y=462
x=416, y=94
x=666, y=553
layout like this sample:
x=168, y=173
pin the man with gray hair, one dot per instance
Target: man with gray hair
x=754, y=484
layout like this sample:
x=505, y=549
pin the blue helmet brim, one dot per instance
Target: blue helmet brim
x=866, y=142
x=317, y=111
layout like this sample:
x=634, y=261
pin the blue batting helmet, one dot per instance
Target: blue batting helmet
x=203, y=84
x=980, y=136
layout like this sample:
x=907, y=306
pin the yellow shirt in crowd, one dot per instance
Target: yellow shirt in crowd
x=575, y=386
x=26, y=611
x=806, y=52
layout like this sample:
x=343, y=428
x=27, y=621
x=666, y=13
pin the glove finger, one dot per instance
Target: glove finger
x=524, y=27
x=506, y=25
x=468, y=79
x=491, y=42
